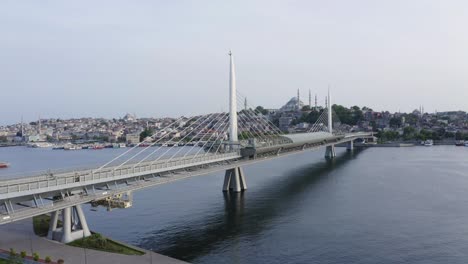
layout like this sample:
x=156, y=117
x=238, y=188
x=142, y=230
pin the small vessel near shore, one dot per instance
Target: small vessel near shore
x=40, y=145
x=4, y=165
x=428, y=143
x=460, y=143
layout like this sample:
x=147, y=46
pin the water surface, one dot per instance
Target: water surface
x=380, y=205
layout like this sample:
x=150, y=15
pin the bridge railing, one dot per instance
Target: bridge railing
x=108, y=174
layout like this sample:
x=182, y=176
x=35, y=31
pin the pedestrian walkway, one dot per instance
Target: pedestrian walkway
x=20, y=236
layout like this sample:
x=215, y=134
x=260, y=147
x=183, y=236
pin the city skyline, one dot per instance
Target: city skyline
x=68, y=60
x=118, y=116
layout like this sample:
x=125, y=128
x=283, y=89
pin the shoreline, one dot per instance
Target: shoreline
x=20, y=236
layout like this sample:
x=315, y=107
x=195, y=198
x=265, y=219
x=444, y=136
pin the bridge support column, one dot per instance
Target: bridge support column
x=53, y=224
x=74, y=225
x=350, y=146
x=234, y=180
x=330, y=152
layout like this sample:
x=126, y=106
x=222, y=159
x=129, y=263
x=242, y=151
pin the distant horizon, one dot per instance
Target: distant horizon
x=2, y=123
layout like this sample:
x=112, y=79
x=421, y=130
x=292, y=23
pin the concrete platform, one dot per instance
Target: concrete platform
x=20, y=236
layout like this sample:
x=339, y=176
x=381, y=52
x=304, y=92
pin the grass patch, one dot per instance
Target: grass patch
x=98, y=242
x=4, y=261
x=95, y=241
x=41, y=225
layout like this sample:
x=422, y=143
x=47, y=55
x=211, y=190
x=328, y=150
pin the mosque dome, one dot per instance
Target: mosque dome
x=292, y=105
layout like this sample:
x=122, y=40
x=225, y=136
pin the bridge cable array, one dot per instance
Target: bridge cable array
x=321, y=124
x=200, y=124
x=208, y=133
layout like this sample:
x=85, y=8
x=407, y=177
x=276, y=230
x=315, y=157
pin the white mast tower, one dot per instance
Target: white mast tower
x=232, y=102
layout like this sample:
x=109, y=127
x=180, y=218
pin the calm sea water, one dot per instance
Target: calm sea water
x=380, y=205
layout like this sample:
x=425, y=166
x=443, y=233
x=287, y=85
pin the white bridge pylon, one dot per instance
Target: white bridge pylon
x=232, y=102
x=330, y=152
x=234, y=178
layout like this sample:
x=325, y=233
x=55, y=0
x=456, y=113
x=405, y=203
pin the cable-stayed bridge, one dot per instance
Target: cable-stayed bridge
x=203, y=144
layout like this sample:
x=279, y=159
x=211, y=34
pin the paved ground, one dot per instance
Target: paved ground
x=20, y=236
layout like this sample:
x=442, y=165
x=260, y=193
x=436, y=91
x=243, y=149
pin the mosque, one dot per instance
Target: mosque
x=290, y=111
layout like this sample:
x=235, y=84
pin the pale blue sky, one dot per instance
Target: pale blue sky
x=167, y=58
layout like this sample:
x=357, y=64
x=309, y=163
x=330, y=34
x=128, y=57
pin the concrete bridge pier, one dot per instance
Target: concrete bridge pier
x=234, y=180
x=74, y=225
x=350, y=146
x=330, y=152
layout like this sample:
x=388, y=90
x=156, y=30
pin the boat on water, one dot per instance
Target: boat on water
x=466, y=144
x=70, y=147
x=40, y=145
x=98, y=147
x=4, y=165
x=428, y=143
x=460, y=143
x=119, y=145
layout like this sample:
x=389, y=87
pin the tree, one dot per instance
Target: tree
x=409, y=133
x=395, y=122
x=312, y=117
x=388, y=135
x=261, y=110
x=148, y=132
x=424, y=134
x=411, y=119
x=344, y=114
x=357, y=114
x=460, y=136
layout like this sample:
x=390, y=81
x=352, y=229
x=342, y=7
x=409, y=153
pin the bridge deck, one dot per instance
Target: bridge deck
x=72, y=188
x=29, y=185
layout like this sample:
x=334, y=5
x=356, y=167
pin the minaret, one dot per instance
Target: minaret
x=316, y=102
x=326, y=102
x=245, y=104
x=298, y=100
x=310, y=100
x=232, y=101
